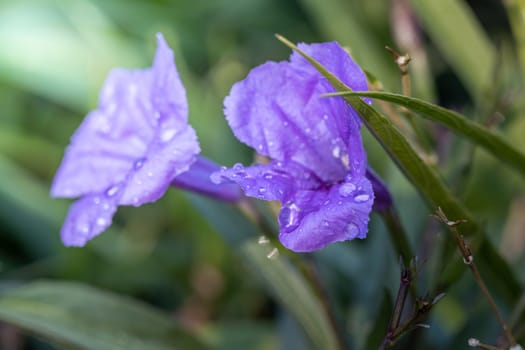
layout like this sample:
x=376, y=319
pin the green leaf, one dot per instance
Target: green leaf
x=484, y=137
x=455, y=30
x=280, y=279
x=79, y=316
x=380, y=327
x=287, y=285
x=516, y=14
x=427, y=181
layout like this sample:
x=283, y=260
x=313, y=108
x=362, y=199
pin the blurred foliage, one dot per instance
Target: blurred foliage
x=180, y=254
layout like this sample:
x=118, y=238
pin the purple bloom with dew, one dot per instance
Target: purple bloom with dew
x=317, y=163
x=129, y=150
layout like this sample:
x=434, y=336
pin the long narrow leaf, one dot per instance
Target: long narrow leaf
x=78, y=316
x=426, y=181
x=280, y=279
x=291, y=289
x=484, y=137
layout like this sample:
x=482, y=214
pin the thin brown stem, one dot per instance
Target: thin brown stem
x=468, y=258
x=402, y=293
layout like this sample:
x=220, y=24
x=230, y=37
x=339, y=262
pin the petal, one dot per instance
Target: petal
x=273, y=181
x=88, y=217
x=137, y=108
x=383, y=198
x=334, y=58
x=197, y=179
x=278, y=110
x=168, y=93
x=170, y=156
x=315, y=219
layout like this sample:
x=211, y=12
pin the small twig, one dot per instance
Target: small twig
x=468, y=259
x=404, y=285
x=402, y=62
x=421, y=135
x=475, y=343
x=396, y=329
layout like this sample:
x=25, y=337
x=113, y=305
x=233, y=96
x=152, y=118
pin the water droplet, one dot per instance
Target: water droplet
x=83, y=229
x=139, y=163
x=112, y=191
x=268, y=176
x=270, y=143
x=289, y=217
x=150, y=174
x=96, y=200
x=346, y=189
x=352, y=230
x=325, y=117
x=138, y=182
x=361, y=197
x=326, y=223
x=285, y=124
x=101, y=222
x=262, y=190
x=167, y=134
x=105, y=206
x=238, y=167
x=216, y=177
x=346, y=161
x=308, y=130
x=336, y=152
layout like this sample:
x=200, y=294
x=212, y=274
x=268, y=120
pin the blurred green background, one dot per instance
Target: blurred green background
x=54, y=56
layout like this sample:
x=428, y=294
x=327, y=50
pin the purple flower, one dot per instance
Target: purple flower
x=128, y=150
x=317, y=166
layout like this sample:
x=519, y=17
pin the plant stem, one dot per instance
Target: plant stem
x=468, y=258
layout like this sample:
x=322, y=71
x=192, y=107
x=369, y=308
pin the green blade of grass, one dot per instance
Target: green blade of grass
x=482, y=136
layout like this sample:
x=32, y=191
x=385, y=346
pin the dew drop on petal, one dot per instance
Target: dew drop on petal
x=150, y=174
x=167, y=134
x=96, y=200
x=267, y=176
x=352, y=230
x=139, y=163
x=289, y=217
x=361, y=197
x=346, y=189
x=83, y=229
x=238, y=167
x=101, y=221
x=336, y=152
x=112, y=191
x=262, y=190
x=216, y=177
